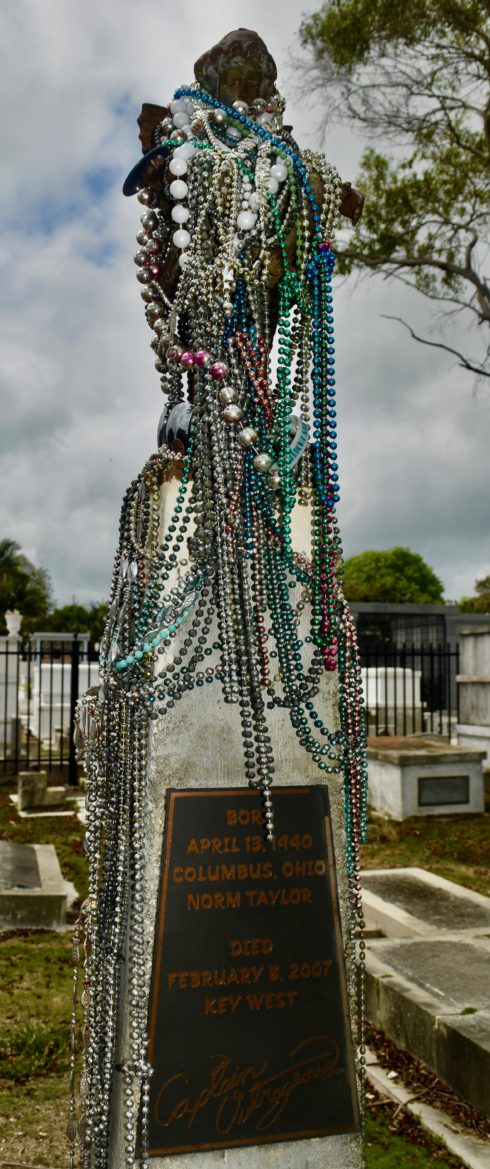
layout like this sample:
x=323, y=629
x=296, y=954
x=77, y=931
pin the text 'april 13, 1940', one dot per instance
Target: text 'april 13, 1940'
x=249, y=1028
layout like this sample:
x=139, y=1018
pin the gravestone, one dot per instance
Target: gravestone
x=430, y=995
x=32, y=891
x=34, y=794
x=473, y=683
x=229, y=655
x=420, y=777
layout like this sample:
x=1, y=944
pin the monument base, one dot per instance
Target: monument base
x=197, y=751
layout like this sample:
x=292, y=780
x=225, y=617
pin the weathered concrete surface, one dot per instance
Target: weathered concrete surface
x=198, y=746
x=37, y=901
x=33, y=792
x=396, y=775
x=475, y=650
x=474, y=699
x=431, y=998
x=474, y=689
x=475, y=738
x=411, y=902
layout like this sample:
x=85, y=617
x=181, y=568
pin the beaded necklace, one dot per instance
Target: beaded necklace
x=219, y=595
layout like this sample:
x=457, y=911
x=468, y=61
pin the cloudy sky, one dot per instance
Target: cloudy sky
x=80, y=396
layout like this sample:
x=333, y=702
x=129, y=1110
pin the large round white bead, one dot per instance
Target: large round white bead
x=177, y=106
x=181, y=238
x=185, y=150
x=177, y=166
x=178, y=189
x=180, y=119
x=279, y=172
x=180, y=214
x=183, y=259
x=273, y=185
x=254, y=201
x=246, y=220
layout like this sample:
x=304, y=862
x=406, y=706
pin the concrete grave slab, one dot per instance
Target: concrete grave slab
x=32, y=891
x=431, y=998
x=410, y=902
x=417, y=777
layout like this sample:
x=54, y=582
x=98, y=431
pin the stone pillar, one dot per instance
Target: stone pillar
x=474, y=689
x=199, y=746
x=9, y=699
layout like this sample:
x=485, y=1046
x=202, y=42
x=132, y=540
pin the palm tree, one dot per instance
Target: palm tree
x=22, y=585
x=11, y=572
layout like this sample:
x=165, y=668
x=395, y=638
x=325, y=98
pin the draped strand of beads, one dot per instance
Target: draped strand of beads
x=220, y=595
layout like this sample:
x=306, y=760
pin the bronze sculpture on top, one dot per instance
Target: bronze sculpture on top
x=235, y=247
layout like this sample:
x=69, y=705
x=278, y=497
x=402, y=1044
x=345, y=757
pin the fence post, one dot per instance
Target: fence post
x=74, y=682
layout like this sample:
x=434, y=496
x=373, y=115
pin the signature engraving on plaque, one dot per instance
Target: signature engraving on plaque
x=241, y=1094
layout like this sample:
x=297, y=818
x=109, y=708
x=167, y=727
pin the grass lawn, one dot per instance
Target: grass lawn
x=35, y=999
x=35, y=991
x=455, y=847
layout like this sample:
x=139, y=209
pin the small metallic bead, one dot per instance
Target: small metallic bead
x=154, y=246
x=174, y=354
x=198, y=125
x=219, y=118
x=149, y=220
x=146, y=197
x=153, y=310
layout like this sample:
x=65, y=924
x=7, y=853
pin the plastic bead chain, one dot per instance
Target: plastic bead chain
x=212, y=598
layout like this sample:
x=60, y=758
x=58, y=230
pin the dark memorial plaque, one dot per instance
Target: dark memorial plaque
x=249, y=1026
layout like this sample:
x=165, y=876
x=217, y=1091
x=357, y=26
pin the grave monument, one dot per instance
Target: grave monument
x=219, y=949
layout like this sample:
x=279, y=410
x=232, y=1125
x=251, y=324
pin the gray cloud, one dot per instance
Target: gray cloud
x=80, y=396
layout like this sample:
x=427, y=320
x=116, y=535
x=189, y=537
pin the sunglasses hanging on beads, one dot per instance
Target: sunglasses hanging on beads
x=235, y=248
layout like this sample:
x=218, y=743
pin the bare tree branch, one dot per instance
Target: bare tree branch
x=463, y=361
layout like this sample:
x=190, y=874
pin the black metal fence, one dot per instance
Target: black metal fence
x=410, y=690
x=407, y=691
x=40, y=682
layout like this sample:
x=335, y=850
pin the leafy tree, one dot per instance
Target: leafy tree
x=396, y=574
x=416, y=75
x=22, y=585
x=480, y=603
